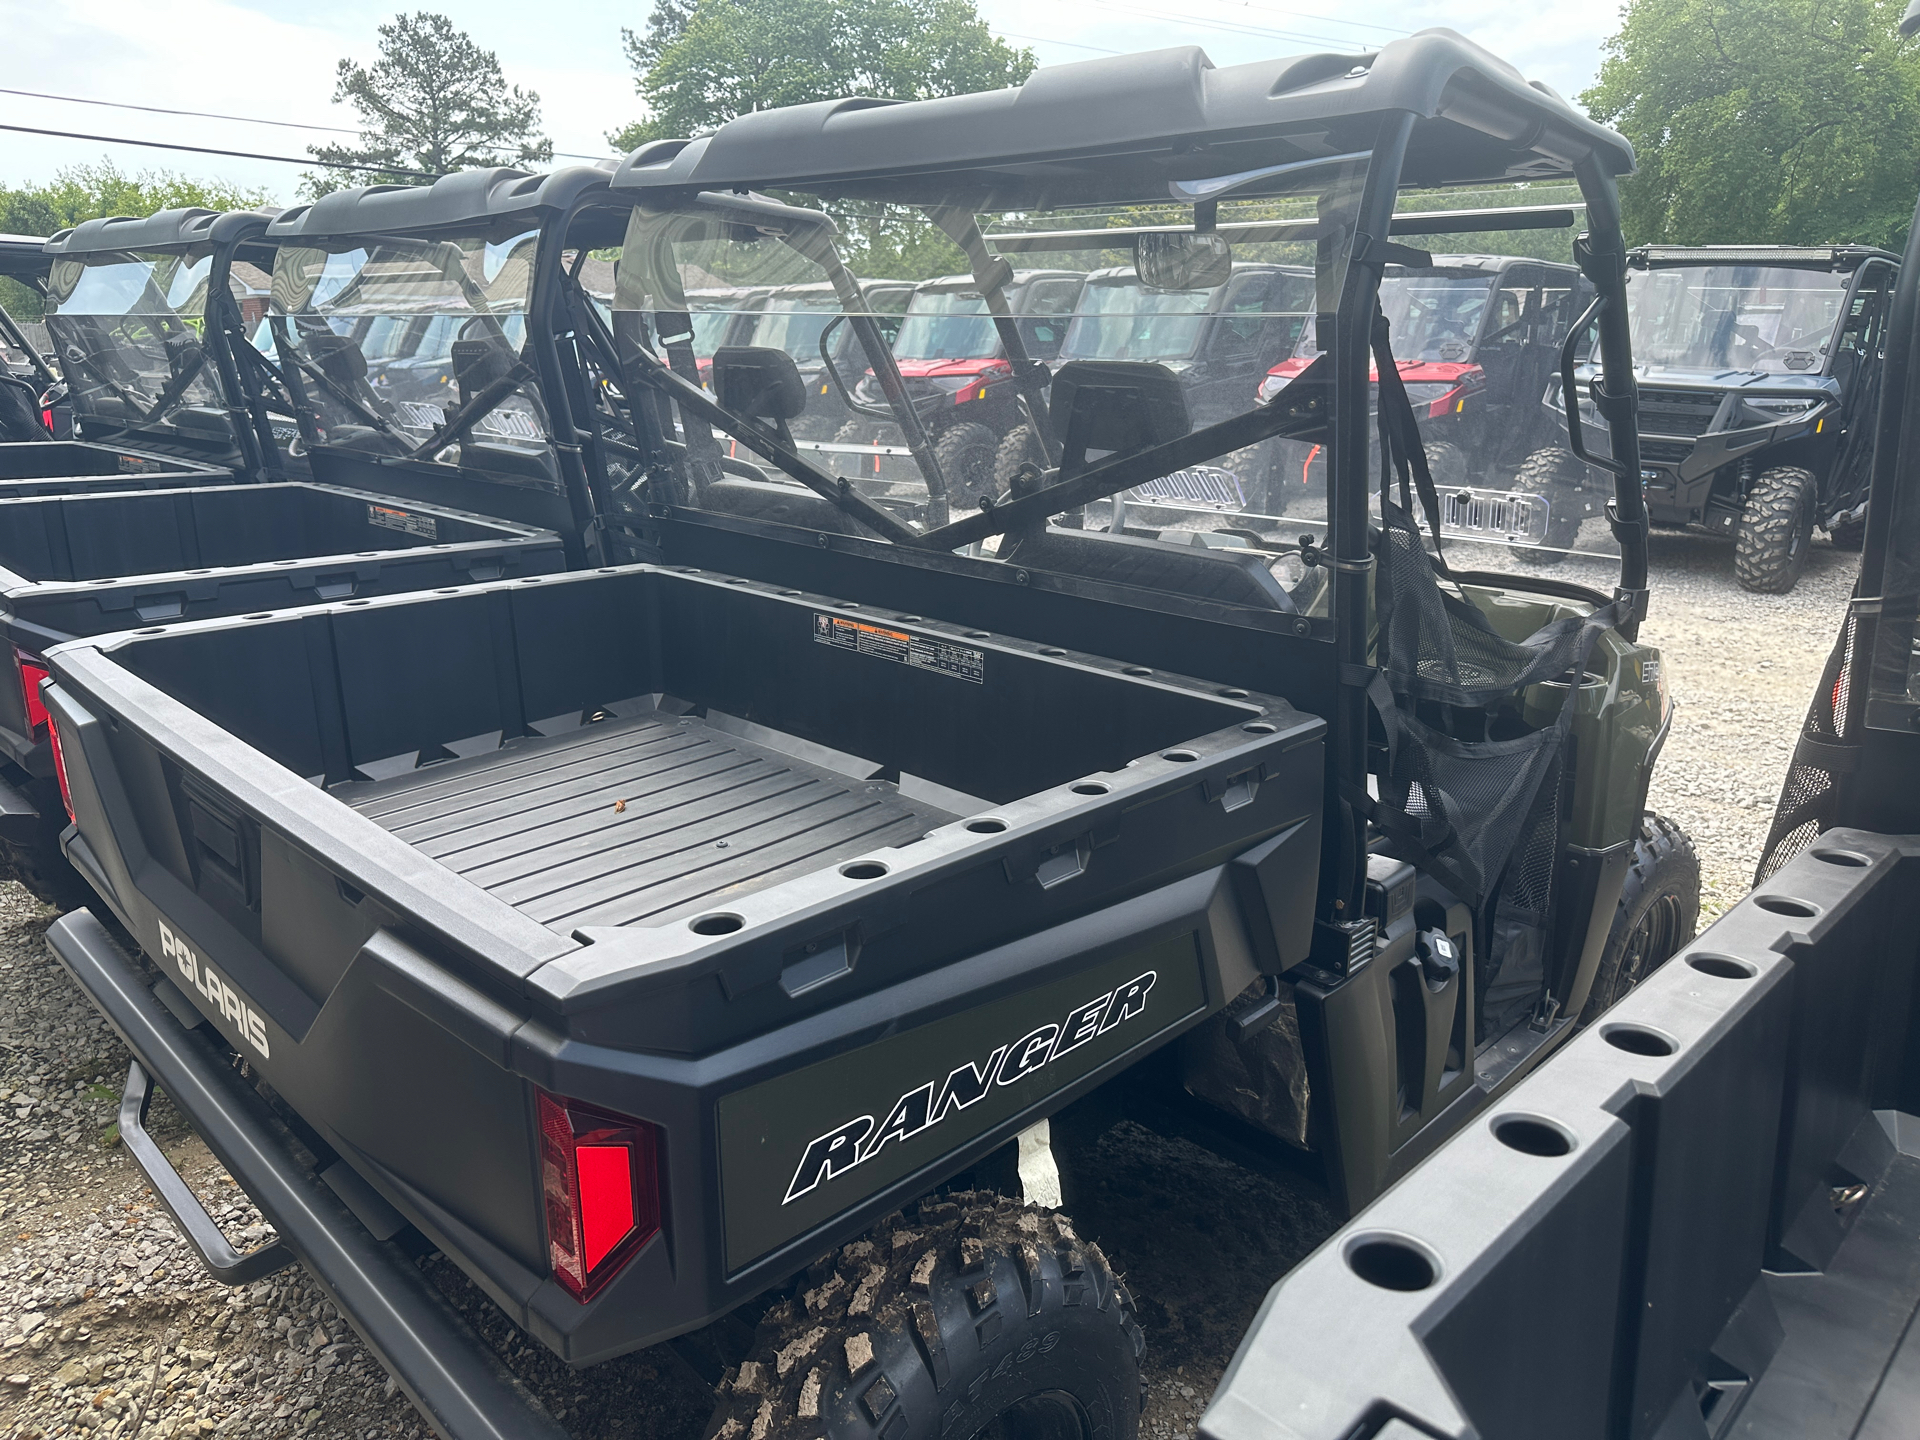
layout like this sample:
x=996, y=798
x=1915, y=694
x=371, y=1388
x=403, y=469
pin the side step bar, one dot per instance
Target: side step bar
x=459, y=1385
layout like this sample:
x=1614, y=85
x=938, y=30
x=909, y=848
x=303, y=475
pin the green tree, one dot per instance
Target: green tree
x=1764, y=121
x=87, y=192
x=698, y=68
x=435, y=102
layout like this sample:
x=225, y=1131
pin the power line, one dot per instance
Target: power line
x=1074, y=44
x=235, y=154
x=162, y=110
x=237, y=119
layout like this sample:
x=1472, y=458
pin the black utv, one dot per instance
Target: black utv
x=1759, y=370
x=680, y=945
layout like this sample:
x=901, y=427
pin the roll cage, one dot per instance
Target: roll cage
x=1168, y=129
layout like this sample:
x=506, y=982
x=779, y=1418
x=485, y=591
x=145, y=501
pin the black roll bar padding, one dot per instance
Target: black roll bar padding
x=259, y=451
x=304, y=414
x=1343, y=862
x=14, y=333
x=1602, y=256
x=838, y=491
x=454, y=1379
x=547, y=315
x=1298, y=409
x=226, y=1264
x=992, y=272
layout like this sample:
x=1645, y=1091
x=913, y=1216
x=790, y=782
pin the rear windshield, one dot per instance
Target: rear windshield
x=394, y=336
x=127, y=328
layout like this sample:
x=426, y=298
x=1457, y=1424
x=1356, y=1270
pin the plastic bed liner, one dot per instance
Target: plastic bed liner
x=636, y=819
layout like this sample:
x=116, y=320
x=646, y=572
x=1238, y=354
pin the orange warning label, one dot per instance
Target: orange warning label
x=922, y=652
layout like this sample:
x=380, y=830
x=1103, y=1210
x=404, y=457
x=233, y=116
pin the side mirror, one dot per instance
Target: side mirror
x=1182, y=261
x=758, y=381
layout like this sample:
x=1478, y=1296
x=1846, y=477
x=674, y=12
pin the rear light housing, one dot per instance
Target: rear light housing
x=32, y=671
x=60, y=773
x=600, y=1180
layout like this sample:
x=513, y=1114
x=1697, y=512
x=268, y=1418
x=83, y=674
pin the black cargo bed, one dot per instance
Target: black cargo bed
x=637, y=819
x=52, y=459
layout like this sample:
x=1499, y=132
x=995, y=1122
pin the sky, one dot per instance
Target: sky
x=275, y=62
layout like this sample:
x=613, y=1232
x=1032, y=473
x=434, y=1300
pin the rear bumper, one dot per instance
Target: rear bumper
x=458, y=1384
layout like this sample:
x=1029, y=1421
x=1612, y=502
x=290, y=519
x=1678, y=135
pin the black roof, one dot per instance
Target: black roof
x=467, y=197
x=162, y=230
x=1124, y=128
x=1797, y=257
x=23, y=256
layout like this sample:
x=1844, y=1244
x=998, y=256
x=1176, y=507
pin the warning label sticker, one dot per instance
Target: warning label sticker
x=923, y=652
x=388, y=518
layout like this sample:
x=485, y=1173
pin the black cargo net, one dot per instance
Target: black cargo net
x=1826, y=753
x=1469, y=791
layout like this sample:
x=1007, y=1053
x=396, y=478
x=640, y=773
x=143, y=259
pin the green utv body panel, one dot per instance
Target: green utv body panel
x=1619, y=717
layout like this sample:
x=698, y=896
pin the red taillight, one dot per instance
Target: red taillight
x=60, y=772
x=600, y=1175
x=32, y=672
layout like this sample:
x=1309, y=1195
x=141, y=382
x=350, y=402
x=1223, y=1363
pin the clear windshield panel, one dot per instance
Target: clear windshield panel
x=128, y=330
x=1763, y=319
x=415, y=347
x=1476, y=341
x=936, y=426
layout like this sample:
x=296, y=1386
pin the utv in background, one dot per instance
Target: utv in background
x=1216, y=342
x=1760, y=371
x=952, y=357
x=1475, y=338
x=677, y=946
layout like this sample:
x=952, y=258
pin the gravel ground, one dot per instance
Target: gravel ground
x=108, y=1326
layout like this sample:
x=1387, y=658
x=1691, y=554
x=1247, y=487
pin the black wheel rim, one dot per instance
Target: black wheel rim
x=1048, y=1415
x=1651, y=944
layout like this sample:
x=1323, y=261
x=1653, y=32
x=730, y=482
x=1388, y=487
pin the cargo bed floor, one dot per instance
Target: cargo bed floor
x=636, y=821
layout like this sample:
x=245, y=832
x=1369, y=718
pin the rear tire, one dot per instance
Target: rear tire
x=966, y=454
x=1658, y=910
x=1558, y=477
x=984, y=1317
x=1775, y=532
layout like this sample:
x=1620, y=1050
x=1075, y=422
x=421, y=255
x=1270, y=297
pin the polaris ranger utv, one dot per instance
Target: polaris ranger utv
x=1475, y=338
x=953, y=361
x=1760, y=374
x=1216, y=341
x=1723, y=1177
x=647, y=939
